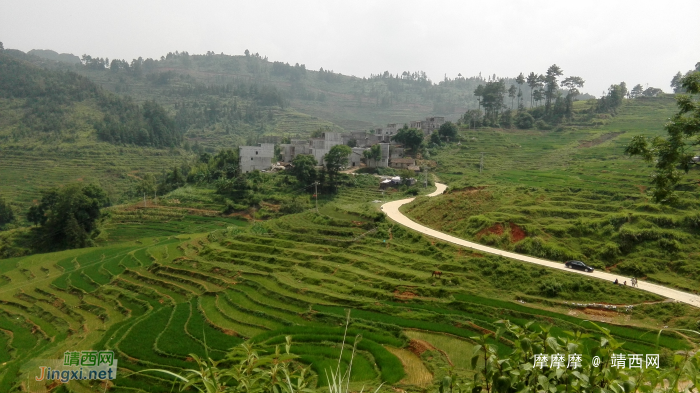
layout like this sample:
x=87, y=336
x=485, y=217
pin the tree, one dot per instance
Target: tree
x=520, y=80
x=551, y=86
x=478, y=93
x=225, y=164
x=68, y=216
x=147, y=185
x=493, y=94
x=435, y=139
x=652, y=92
x=472, y=117
x=676, y=83
x=6, y=214
x=304, y=168
x=637, y=91
x=448, y=130
x=410, y=137
x=506, y=119
x=541, y=80
x=2, y=47
x=512, y=91
x=671, y=155
x=335, y=159
x=614, y=98
x=352, y=142
x=373, y=153
x=532, y=81
x=572, y=83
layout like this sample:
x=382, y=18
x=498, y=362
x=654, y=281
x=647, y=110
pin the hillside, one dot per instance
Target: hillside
x=57, y=127
x=292, y=275
x=349, y=102
x=220, y=258
x=570, y=194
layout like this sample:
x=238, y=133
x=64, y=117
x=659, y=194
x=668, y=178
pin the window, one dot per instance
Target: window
x=251, y=158
x=256, y=152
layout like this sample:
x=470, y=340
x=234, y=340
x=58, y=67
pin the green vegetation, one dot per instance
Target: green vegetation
x=569, y=194
x=67, y=216
x=201, y=259
x=7, y=215
x=289, y=276
x=674, y=152
x=48, y=101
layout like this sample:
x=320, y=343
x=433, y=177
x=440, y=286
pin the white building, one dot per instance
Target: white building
x=252, y=158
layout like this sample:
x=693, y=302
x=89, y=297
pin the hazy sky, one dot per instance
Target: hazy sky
x=604, y=42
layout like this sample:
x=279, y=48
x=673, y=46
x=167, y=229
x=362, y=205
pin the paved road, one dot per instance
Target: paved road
x=391, y=209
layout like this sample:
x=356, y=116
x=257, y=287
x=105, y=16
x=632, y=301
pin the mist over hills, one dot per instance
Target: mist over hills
x=349, y=102
x=53, y=55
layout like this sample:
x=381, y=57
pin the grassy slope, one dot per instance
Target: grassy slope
x=292, y=275
x=33, y=160
x=574, y=193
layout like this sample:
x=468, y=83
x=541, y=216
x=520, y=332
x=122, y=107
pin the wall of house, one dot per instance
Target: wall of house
x=252, y=158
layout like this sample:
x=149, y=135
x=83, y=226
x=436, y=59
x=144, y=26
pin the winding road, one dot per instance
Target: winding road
x=391, y=209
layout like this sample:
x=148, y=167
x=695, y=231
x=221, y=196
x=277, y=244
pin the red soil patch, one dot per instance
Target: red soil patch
x=496, y=229
x=229, y=332
x=642, y=189
x=419, y=346
x=516, y=233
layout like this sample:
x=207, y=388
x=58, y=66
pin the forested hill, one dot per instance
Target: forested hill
x=349, y=102
x=62, y=106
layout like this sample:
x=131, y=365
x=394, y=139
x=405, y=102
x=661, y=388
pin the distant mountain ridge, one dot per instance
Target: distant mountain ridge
x=53, y=55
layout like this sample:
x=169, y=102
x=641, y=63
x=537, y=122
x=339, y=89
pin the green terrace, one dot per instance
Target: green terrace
x=157, y=300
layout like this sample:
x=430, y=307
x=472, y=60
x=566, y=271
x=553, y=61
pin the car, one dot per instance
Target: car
x=578, y=265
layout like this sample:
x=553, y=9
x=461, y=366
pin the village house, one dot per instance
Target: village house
x=429, y=125
x=256, y=158
x=391, y=150
x=402, y=163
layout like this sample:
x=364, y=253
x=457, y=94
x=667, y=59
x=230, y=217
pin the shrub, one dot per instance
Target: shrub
x=550, y=288
x=524, y=121
x=542, y=125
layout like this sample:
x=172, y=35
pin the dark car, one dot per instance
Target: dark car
x=578, y=265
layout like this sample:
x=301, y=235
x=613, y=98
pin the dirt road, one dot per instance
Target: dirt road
x=391, y=209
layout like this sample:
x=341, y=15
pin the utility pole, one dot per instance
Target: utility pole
x=316, y=194
x=481, y=164
x=425, y=184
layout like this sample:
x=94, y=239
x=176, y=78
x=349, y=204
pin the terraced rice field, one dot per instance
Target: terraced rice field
x=157, y=300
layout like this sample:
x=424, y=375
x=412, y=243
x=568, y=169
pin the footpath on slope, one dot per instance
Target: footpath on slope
x=391, y=209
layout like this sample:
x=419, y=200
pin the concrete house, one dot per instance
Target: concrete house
x=252, y=158
x=402, y=163
x=429, y=125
